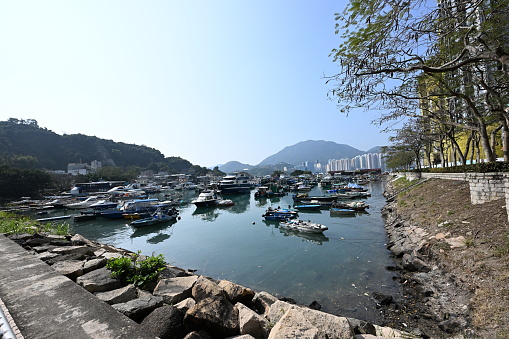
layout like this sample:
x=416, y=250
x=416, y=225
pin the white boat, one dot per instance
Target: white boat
x=225, y=203
x=303, y=226
x=206, y=198
x=85, y=203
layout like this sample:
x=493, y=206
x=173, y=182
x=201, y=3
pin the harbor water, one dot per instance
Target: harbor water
x=340, y=269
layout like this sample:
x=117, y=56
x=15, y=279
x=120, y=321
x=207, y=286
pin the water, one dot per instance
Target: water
x=339, y=269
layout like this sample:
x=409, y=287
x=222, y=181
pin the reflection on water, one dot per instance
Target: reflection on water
x=311, y=237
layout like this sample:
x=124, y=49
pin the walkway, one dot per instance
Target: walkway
x=45, y=304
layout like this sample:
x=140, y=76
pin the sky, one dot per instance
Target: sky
x=207, y=81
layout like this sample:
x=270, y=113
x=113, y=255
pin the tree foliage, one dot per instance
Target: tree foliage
x=24, y=144
x=17, y=182
x=442, y=62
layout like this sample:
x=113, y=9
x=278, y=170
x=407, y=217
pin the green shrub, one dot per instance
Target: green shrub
x=135, y=271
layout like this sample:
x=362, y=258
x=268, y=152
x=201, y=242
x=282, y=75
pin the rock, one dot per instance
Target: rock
x=73, y=249
x=294, y=325
x=453, y=324
x=251, y=322
x=278, y=309
x=382, y=299
x=205, y=288
x=172, y=272
x=174, y=290
x=119, y=295
x=361, y=326
x=72, y=256
x=216, y=315
x=139, y=308
x=186, y=304
x=72, y=269
x=315, y=305
x=79, y=240
x=93, y=264
x=166, y=322
x=262, y=301
x=98, y=281
x=237, y=293
x=198, y=335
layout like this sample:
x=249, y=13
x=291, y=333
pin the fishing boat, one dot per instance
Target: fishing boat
x=159, y=216
x=303, y=226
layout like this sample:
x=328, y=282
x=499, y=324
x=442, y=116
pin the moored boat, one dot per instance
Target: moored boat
x=160, y=216
x=303, y=226
x=206, y=198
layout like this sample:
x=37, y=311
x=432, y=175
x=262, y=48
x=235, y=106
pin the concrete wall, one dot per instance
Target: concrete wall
x=484, y=187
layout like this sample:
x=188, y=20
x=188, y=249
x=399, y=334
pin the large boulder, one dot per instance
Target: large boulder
x=166, y=322
x=99, y=281
x=139, y=308
x=262, y=301
x=205, y=288
x=215, y=315
x=72, y=269
x=308, y=323
x=174, y=290
x=251, y=322
x=237, y=293
x=119, y=295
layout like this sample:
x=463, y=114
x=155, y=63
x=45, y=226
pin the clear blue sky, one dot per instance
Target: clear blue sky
x=209, y=81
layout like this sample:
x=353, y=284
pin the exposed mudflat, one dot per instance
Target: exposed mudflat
x=456, y=279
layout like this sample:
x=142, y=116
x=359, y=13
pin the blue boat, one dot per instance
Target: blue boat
x=279, y=214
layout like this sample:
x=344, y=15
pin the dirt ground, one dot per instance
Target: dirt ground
x=481, y=265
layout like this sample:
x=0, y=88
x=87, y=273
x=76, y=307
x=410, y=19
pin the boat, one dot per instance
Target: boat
x=279, y=214
x=206, y=198
x=303, y=226
x=238, y=183
x=342, y=211
x=225, y=203
x=159, y=216
x=308, y=207
x=355, y=205
x=62, y=217
x=85, y=203
x=130, y=207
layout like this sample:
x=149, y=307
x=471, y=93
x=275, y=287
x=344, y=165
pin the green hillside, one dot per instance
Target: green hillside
x=25, y=144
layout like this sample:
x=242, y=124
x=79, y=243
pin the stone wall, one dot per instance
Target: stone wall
x=484, y=187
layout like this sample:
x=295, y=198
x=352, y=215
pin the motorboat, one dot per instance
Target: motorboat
x=279, y=214
x=206, y=198
x=85, y=203
x=303, y=226
x=159, y=216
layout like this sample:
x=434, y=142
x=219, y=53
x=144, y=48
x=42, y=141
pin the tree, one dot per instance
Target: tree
x=457, y=51
x=16, y=182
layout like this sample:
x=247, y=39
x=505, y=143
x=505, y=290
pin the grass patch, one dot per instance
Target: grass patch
x=137, y=271
x=11, y=223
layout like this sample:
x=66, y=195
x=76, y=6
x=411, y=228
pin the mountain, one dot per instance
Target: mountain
x=234, y=166
x=24, y=144
x=312, y=150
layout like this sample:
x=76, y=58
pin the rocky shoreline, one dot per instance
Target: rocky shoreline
x=433, y=305
x=186, y=305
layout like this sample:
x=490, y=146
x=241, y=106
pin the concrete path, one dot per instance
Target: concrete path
x=45, y=304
